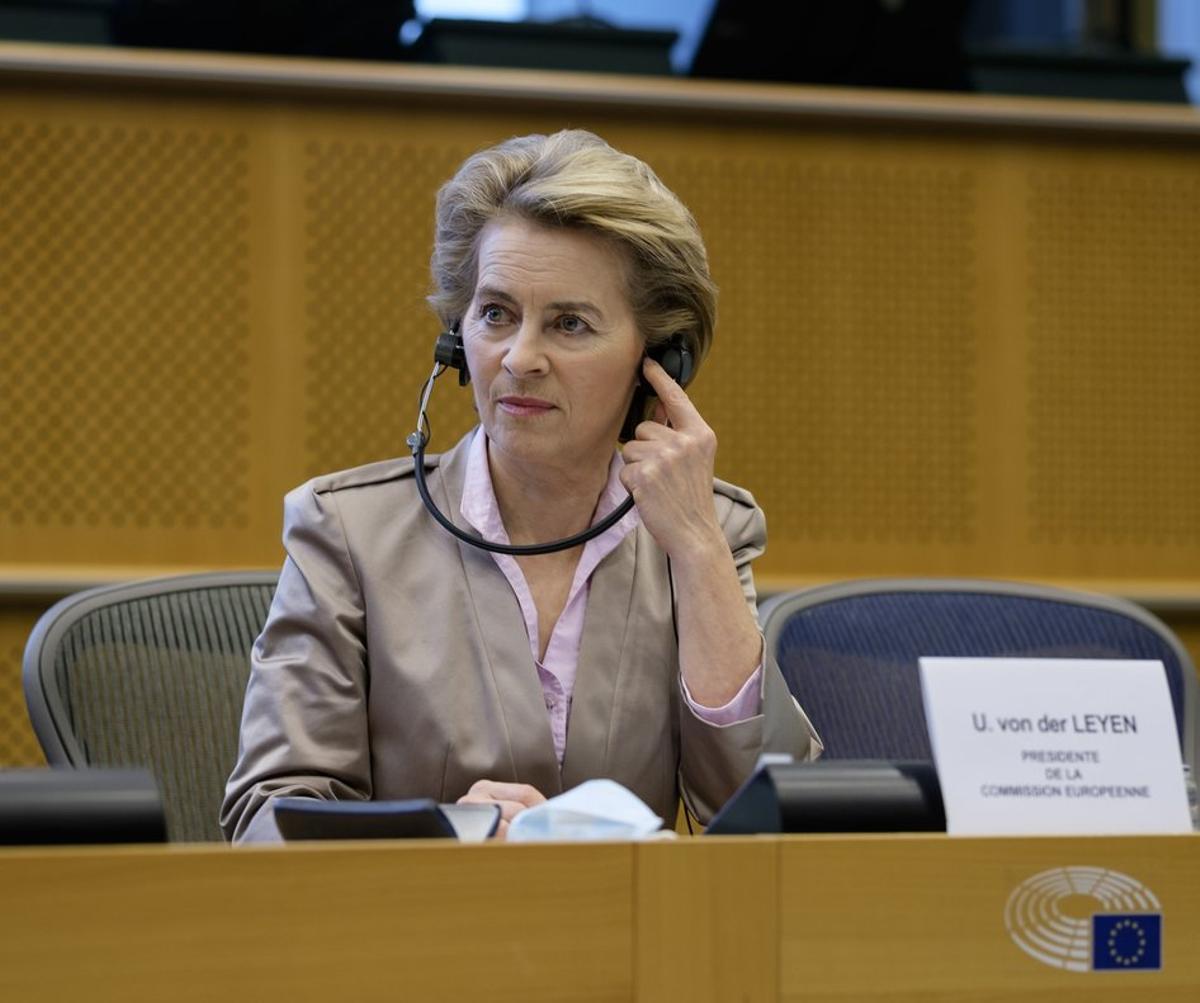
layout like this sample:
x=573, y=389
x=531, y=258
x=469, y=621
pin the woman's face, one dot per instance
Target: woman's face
x=551, y=343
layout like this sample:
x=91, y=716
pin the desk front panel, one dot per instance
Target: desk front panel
x=820, y=918
x=317, y=923
x=923, y=918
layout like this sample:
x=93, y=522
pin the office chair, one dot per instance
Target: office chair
x=850, y=651
x=150, y=674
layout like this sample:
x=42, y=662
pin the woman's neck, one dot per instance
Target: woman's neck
x=539, y=504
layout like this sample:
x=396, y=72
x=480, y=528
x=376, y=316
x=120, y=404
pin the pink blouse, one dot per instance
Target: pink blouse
x=557, y=670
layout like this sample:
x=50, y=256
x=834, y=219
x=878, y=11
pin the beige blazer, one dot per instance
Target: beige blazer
x=395, y=664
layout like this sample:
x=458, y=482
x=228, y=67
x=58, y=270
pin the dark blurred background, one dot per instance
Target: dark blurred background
x=1115, y=49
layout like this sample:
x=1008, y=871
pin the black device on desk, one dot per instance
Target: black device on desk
x=80, y=806
x=848, y=795
x=418, y=818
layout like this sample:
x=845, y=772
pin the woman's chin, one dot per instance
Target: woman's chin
x=529, y=443
x=526, y=441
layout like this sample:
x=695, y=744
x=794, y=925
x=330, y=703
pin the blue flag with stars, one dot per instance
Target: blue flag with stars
x=1127, y=942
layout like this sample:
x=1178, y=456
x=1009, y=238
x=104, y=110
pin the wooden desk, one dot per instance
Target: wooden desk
x=813, y=918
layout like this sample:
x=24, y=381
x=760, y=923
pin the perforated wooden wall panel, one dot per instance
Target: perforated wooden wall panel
x=18, y=744
x=124, y=287
x=368, y=226
x=939, y=351
x=1114, y=343
x=128, y=360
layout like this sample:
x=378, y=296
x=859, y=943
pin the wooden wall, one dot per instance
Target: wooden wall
x=957, y=335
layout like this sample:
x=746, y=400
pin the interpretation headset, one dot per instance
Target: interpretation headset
x=449, y=353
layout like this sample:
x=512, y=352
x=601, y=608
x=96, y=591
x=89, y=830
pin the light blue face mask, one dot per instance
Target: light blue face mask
x=595, y=810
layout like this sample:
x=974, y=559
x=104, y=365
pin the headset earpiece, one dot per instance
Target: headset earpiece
x=450, y=351
x=676, y=359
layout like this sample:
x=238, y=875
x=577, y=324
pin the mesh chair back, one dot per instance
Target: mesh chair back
x=150, y=674
x=850, y=652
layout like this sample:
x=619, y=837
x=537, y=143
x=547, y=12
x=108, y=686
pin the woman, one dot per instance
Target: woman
x=399, y=662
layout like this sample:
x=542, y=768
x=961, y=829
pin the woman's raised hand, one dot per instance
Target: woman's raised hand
x=669, y=471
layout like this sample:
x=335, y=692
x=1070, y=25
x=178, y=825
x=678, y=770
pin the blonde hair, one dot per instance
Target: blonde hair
x=574, y=179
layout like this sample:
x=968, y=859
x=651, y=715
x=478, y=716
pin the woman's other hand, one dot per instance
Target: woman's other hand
x=512, y=799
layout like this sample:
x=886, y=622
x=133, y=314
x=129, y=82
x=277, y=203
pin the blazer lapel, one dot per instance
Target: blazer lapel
x=497, y=616
x=602, y=663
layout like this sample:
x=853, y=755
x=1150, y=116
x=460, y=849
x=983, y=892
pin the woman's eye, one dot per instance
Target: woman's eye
x=572, y=324
x=492, y=314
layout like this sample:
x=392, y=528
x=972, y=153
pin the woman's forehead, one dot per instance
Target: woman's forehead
x=522, y=259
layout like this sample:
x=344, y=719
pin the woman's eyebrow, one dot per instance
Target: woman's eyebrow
x=575, y=306
x=494, y=293
x=488, y=292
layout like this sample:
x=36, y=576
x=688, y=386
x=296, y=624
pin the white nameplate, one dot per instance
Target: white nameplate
x=1054, y=745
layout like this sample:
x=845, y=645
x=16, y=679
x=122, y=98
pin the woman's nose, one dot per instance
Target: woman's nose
x=525, y=355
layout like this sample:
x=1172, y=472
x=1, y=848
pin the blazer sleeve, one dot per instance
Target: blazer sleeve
x=716, y=759
x=304, y=721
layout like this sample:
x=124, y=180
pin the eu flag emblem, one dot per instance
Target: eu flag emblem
x=1127, y=941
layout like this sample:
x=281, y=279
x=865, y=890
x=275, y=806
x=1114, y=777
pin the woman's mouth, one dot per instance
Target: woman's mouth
x=524, y=406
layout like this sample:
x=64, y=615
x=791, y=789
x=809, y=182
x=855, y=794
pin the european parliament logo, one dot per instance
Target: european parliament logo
x=1085, y=919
